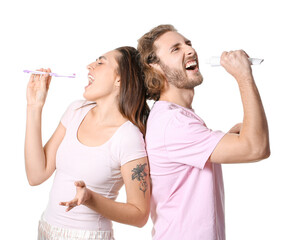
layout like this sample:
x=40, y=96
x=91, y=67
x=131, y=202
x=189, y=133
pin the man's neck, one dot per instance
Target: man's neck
x=182, y=97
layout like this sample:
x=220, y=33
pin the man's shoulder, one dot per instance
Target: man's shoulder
x=170, y=117
x=162, y=112
x=180, y=113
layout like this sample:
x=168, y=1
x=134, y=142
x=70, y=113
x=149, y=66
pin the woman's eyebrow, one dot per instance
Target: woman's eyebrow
x=101, y=57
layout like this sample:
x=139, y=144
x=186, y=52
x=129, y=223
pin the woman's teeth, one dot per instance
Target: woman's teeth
x=90, y=78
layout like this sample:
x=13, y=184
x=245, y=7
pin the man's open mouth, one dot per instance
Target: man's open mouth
x=191, y=65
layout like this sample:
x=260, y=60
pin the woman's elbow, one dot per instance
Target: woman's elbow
x=33, y=181
x=143, y=218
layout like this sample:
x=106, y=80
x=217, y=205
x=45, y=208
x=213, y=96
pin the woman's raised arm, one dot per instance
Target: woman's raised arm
x=39, y=160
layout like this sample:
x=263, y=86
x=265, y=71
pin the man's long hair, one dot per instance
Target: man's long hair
x=154, y=80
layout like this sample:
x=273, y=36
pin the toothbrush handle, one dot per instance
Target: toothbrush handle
x=215, y=61
x=50, y=74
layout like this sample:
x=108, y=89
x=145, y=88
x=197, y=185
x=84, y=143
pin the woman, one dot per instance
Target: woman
x=97, y=146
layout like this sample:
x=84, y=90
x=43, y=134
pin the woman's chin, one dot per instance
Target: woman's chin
x=87, y=97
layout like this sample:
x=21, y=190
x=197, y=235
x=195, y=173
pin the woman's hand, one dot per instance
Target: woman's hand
x=82, y=195
x=37, y=88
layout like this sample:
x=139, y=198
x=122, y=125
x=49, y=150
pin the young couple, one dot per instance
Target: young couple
x=99, y=144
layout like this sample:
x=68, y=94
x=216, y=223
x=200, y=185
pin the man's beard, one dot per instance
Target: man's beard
x=179, y=79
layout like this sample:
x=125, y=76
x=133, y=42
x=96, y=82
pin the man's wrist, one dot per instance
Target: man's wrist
x=245, y=80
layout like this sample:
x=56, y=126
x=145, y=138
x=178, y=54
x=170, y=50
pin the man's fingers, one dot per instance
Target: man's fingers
x=223, y=57
x=244, y=53
x=236, y=128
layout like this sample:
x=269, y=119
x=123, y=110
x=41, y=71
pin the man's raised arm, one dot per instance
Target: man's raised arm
x=252, y=143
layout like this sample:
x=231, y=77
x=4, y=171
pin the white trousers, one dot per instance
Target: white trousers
x=48, y=232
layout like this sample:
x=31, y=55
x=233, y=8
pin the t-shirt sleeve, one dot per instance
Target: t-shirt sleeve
x=131, y=144
x=189, y=141
x=68, y=114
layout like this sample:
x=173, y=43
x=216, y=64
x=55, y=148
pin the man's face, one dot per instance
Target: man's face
x=178, y=60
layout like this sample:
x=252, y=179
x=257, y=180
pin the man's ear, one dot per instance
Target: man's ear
x=157, y=67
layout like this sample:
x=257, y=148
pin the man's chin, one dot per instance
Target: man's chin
x=196, y=81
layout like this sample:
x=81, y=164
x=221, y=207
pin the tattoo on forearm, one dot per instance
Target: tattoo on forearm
x=140, y=174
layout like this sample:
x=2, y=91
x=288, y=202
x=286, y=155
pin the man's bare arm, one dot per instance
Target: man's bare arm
x=252, y=142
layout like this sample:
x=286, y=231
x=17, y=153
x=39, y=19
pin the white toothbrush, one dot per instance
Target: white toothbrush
x=215, y=61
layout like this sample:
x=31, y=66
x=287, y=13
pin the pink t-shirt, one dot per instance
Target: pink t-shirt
x=187, y=190
x=99, y=167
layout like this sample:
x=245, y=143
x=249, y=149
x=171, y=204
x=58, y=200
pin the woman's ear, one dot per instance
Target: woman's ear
x=117, y=81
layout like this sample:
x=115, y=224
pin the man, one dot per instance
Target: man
x=185, y=156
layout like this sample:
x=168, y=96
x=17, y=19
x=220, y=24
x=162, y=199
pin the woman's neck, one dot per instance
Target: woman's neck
x=107, y=112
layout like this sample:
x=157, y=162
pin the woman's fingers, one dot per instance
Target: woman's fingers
x=69, y=208
x=70, y=204
x=78, y=200
x=48, y=79
x=45, y=79
x=31, y=79
x=37, y=76
x=79, y=184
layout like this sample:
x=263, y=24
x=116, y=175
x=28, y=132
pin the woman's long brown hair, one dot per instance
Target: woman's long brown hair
x=132, y=94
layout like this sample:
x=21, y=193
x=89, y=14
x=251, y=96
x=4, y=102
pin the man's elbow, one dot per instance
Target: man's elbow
x=261, y=153
x=265, y=153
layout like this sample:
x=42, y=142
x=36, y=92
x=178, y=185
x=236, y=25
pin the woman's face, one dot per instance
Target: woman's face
x=103, y=79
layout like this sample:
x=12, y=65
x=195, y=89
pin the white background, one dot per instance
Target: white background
x=67, y=35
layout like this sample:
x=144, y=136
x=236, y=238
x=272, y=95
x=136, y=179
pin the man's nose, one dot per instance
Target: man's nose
x=190, y=51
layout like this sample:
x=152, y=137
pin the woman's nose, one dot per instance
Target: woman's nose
x=90, y=66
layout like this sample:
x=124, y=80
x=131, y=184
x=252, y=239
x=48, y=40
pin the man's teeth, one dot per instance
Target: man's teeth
x=191, y=64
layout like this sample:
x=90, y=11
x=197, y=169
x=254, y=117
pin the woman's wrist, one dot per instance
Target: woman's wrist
x=87, y=197
x=34, y=107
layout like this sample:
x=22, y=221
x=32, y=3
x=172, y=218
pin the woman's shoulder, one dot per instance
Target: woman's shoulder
x=73, y=110
x=129, y=134
x=130, y=129
x=129, y=143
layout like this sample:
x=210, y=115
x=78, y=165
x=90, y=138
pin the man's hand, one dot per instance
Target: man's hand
x=236, y=129
x=237, y=64
x=82, y=195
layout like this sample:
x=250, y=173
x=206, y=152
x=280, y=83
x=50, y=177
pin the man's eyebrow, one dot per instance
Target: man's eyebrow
x=188, y=42
x=175, y=45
